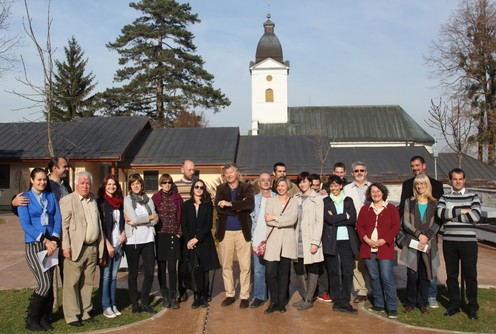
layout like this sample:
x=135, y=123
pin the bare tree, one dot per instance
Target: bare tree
x=8, y=42
x=322, y=147
x=455, y=123
x=464, y=60
x=42, y=95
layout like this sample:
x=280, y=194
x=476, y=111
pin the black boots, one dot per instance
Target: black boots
x=165, y=298
x=196, y=300
x=173, y=299
x=46, y=314
x=34, y=313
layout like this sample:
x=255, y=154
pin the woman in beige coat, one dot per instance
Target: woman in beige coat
x=281, y=213
x=308, y=242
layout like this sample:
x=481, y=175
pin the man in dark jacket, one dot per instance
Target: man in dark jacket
x=234, y=202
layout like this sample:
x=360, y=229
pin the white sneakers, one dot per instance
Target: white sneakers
x=108, y=313
x=433, y=303
x=116, y=311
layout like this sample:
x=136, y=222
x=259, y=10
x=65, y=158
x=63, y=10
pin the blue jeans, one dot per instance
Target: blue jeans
x=259, y=286
x=109, y=280
x=382, y=281
x=433, y=288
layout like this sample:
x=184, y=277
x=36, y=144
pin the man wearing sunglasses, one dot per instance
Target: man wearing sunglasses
x=234, y=201
x=356, y=191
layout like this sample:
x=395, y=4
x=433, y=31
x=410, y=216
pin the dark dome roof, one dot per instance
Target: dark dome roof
x=269, y=45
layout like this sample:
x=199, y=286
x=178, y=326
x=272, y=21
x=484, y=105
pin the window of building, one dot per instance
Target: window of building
x=5, y=176
x=151, y=180
x=269, y=95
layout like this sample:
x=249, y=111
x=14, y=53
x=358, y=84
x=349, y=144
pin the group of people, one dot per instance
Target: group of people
x=339, y=237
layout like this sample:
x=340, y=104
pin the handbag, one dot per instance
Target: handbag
x=193, y=272
x=262, y=245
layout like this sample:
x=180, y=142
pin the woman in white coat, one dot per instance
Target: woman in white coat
x=281, y=213
x=308, y=241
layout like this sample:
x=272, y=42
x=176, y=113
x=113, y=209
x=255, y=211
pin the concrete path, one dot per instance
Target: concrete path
x=14, y=273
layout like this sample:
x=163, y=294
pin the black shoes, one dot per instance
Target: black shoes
x=256, y=303
x=148, y=309
x=282, y=308
x=451, y=311
x=77, y=323
x=228, y=301
x=272, y=308
x=244, y=303
x=345, y=309
x=473, y=316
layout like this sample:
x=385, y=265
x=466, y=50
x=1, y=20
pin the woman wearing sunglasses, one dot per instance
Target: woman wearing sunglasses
x=196, y=222
x=168, y=204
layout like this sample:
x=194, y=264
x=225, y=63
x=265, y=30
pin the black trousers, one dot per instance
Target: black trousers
x=340, y=268
x=277, y=277
x=464, y=252
x=147, y=254
x=417, y=285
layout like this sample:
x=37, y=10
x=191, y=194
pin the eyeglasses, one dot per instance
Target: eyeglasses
x=200, y=187
x=359, y=170
x=166, y=182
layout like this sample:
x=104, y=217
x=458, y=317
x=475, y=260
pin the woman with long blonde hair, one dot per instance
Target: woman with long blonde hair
x=420, y=225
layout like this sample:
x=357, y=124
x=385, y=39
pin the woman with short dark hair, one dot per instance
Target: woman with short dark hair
x=309, y=236
x=168, y=204
x=378, y=224
x=340, y=244
x=140, y=232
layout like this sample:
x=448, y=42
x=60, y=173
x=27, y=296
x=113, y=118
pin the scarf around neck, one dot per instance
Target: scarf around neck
x=337, y=199
x=142, y=200
x=115, y=202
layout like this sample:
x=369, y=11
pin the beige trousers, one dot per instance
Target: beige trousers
x=234, y=241
x=360, y=276
x=78, y=284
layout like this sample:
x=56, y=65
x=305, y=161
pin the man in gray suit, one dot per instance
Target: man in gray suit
x=82, y=246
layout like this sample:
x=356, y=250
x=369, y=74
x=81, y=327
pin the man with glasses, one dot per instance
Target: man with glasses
x=356, y=191
x=234, y=201
x=259, y=233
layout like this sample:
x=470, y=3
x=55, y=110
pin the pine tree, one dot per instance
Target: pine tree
x=163, y=75
x=71, y=86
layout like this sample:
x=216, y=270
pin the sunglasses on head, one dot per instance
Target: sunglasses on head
x=166, y=182
x=200, y=187
x=359, y=170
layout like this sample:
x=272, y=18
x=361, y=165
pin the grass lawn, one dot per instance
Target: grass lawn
x=14, y=304
x=2, y=221
x=459, y=322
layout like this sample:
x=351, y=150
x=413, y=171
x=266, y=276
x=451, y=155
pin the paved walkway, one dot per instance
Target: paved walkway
x=14, y=273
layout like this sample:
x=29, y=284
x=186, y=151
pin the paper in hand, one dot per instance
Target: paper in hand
x=416, y=245
x=46, y=261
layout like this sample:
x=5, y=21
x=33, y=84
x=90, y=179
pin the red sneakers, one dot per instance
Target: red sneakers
x=325, y=298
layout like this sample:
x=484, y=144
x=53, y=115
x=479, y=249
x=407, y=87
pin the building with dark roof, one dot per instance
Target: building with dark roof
x=344, y=126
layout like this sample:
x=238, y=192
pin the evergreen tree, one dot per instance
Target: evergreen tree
x=163, y=75
x=71, y=86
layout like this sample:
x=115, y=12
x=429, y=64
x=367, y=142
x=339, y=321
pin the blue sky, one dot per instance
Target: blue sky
x=341, y=52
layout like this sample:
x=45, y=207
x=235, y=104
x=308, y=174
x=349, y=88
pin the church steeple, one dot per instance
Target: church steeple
x=269, y=45
x=269, y=81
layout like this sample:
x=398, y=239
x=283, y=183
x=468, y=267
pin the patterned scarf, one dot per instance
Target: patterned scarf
x=142, y=200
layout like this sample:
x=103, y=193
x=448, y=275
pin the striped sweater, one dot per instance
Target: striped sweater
x=459, y=226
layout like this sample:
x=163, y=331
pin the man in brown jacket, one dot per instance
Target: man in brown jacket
x=234, y=202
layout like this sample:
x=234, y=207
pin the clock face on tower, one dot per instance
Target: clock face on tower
x=268, y=78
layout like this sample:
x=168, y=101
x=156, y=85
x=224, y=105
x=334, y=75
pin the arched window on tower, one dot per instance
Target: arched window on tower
x=269, y=95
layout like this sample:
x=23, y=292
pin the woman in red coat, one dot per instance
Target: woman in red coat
x=377, y=225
